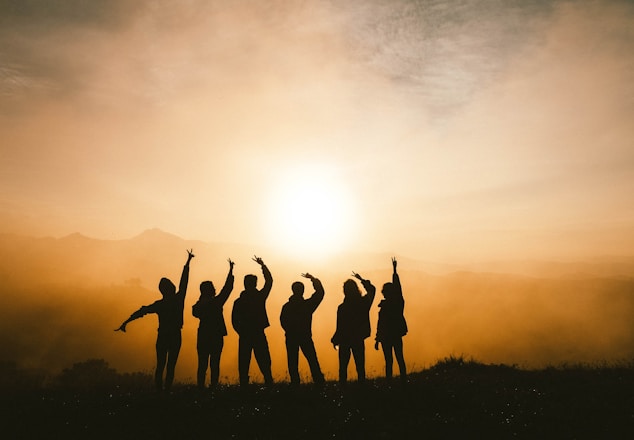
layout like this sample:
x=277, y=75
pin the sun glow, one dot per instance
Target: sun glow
x=310, y=212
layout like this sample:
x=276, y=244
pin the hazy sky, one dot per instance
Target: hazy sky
x=442, y=129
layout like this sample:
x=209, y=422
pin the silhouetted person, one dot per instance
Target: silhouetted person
x=249, y=319
x=392, y=325
x=212, y=328
x=170, y=315
x=296, y=319
x=353, y=326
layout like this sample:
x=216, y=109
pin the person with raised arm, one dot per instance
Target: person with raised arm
x=170, y=315
x=296, y=319
x=392, y=326
x=212, y=328
x=353, y=326
x=249, y=319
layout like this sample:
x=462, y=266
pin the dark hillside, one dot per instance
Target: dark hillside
x=452, y=399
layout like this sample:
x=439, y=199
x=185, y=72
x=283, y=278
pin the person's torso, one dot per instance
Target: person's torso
x=391, y=320
x=353, y=320
x=250, y=309
x=298, y=316
x=170, y=313
x=211, y=314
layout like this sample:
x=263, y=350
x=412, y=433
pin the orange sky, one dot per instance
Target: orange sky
x=452, y=130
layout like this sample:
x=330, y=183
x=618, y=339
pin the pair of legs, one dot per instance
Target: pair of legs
x=357, y=350
x=257, y=344
x=209, y=348
x=168, y=345
x=394, y=345
x=293, y=345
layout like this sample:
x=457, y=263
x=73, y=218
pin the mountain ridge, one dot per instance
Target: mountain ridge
x=156, y=239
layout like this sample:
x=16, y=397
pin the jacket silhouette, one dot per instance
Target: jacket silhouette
x=296, y=318
x=211, y=329
x=353, y=326
x=249, y=319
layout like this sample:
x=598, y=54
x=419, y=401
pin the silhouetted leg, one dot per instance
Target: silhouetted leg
x=244, y=359
x=358, y=351
x=308, y=348
x=398, y=352
x=172, y=357
x=202, y=368
x=292, y=357
x=214, y=359
x=203, y=359
x=161, y=359
x=389, y=360
x=344, y=360
x=263, y=357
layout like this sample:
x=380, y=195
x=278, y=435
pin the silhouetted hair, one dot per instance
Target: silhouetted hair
x=166, y=287
x=351, y=289
x=207, y=288
x=388, y=289
x=250, y=281
x=298, y=288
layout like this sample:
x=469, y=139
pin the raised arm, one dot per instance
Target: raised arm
x=268, y=278
x=316, y=298
x=182, y=286
x=371, y=291
x=369, y=288
x=396, y=281
x=228, y=287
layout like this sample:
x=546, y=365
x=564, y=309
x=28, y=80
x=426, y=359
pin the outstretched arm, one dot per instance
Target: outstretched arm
x=136, y=315
x=182, y=286
x=268, y=278
x=228, y=287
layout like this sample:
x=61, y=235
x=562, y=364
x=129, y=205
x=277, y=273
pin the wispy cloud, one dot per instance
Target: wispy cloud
x=149, y=108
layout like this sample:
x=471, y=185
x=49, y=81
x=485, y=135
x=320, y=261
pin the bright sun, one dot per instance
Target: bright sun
x=310, y=212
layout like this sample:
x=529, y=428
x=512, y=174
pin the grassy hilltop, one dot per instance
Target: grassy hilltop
x=453, y=398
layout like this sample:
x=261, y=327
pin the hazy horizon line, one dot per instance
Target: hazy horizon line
x=455, y=261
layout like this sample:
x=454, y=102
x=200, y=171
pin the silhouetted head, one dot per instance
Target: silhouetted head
x=298, y=288
x=388, y=289
x=166, y=287
x=207, y=288
x=351, y=289
x=250, y=282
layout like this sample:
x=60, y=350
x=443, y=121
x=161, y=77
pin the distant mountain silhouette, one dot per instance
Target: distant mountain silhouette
x=76, y=237
x=91, y=261
x=156, y=235
x=154, y=246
